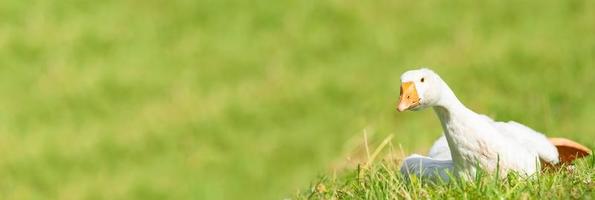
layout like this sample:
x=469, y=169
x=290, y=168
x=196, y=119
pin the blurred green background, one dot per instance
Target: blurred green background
x=218, y=99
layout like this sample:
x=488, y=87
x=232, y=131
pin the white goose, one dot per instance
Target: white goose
x=438, y=167
x=470, y=139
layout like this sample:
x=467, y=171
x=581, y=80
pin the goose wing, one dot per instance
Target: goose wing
x=529, y=139
x=440, y=149
x=427, y=168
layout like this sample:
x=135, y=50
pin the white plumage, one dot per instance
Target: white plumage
x=427, y=168
x=440, y=150
x=526, y=136
x=471, y=139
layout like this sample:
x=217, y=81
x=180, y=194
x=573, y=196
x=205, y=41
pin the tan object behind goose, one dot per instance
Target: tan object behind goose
x=569, y=150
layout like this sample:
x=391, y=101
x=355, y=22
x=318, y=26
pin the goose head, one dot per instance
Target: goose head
x=421, y=88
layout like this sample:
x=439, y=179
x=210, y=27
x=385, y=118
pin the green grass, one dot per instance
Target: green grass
x=383, y=180
x=223, y=99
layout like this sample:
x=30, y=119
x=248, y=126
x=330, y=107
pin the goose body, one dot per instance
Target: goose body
x=438, y=166
x=440, y=150
x=527, y=137
x=474, y=140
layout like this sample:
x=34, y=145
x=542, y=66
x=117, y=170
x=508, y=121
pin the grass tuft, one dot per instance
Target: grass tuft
x=383, y=180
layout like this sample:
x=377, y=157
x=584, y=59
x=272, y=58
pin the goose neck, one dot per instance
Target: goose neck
x=449, y=105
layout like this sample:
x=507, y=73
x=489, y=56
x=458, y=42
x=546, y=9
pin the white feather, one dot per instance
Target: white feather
x=440, y=150
x=427, y=169
x=475, y=140
x=527, y=137
x=530, y=140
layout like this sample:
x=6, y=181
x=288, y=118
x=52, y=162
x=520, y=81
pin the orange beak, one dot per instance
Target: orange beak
x=409, y=97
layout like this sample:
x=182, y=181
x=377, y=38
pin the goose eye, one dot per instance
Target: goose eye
x=422, y=80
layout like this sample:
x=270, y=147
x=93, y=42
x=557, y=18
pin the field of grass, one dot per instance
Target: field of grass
x=224, y=99
x=383, y=180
